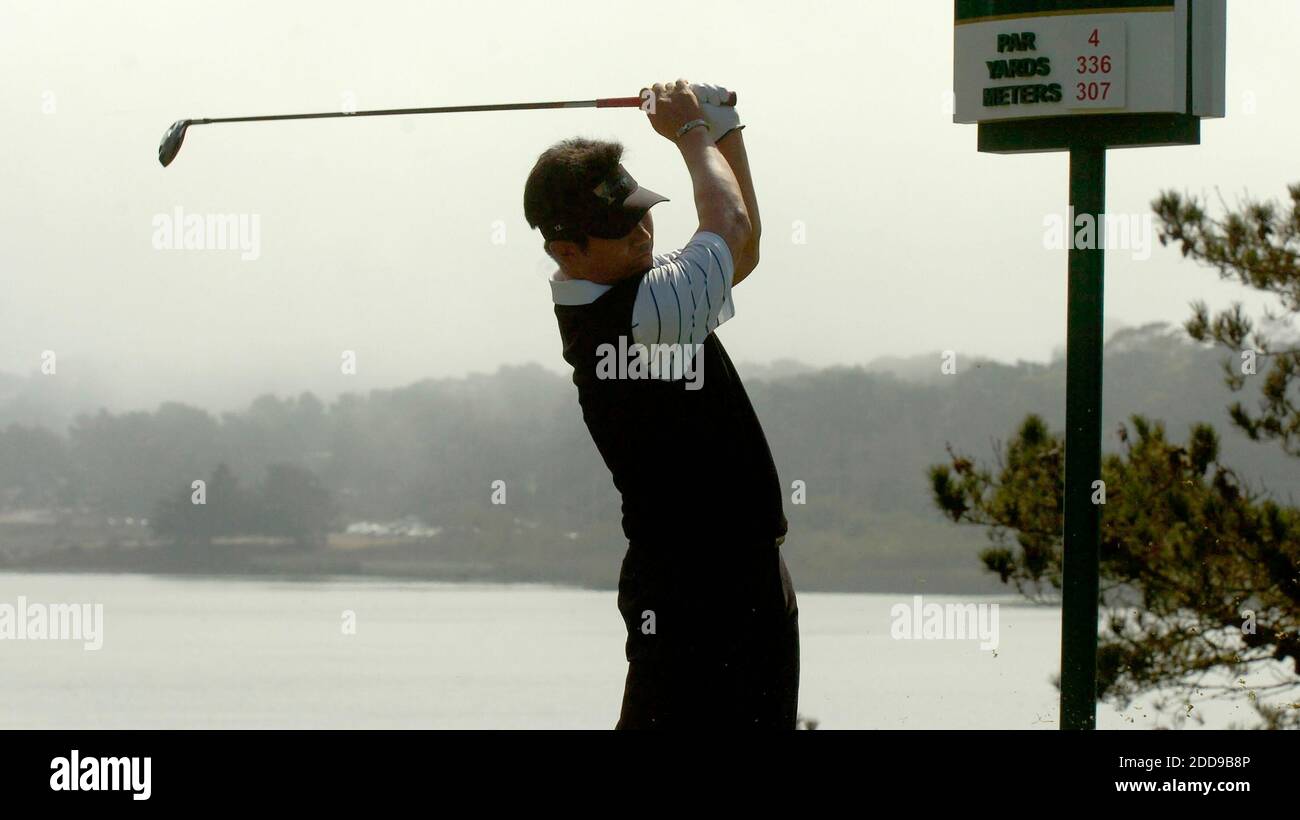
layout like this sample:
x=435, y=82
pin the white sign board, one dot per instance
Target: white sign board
x=1016, y=59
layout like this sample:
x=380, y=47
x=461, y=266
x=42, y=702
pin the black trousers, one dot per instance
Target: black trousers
x=713, y=638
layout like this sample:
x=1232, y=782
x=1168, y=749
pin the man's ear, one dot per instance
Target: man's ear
x=563, y=251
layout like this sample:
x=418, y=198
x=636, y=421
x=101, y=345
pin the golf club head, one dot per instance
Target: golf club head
x=171, y=142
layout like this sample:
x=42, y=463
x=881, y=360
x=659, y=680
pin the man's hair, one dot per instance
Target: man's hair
x=561, y=175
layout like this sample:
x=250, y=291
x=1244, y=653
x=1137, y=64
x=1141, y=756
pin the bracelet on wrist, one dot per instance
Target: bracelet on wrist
x=688, y=126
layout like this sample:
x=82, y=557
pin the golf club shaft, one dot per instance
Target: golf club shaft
x=607, y=102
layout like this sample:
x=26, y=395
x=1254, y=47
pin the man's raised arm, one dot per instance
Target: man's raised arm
x=719, y=199
x=732, y=147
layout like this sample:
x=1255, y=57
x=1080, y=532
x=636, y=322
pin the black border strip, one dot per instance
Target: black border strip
x=975, y=11
x=1190, y=49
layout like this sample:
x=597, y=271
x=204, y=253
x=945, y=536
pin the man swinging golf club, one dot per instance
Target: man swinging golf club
x=710, y=611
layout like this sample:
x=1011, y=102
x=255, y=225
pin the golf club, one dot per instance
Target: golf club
x=171, y=141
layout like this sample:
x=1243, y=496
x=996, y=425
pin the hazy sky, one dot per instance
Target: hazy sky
x=377, y=235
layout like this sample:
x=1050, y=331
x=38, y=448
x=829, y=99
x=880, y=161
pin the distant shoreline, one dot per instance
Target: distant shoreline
x=260, y=563
x=400, y=560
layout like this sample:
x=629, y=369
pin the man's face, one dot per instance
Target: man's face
x=607, y=261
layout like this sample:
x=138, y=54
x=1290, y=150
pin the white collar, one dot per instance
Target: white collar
x=569, y=291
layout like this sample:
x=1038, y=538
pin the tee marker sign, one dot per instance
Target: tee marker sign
x=1094, y=50
x=1018, y=59
x=1086, y=76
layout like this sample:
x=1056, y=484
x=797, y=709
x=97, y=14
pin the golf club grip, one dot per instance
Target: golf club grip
x=635, y=102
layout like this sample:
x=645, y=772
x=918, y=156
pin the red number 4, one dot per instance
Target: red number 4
x=1095, y=39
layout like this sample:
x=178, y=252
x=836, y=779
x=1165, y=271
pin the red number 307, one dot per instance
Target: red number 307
x=1093, y=91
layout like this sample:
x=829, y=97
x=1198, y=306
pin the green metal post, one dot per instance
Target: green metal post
x=1083, y=443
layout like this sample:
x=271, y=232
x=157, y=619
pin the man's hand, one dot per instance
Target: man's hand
x=722, y=118
x=719, y=201
x=673, y=106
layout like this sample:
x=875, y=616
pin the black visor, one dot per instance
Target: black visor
x=610, y=211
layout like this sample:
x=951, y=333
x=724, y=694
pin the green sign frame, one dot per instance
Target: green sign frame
x=1087, y=137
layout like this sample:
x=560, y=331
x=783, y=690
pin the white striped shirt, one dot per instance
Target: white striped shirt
x=686, y=295
x=681, y=299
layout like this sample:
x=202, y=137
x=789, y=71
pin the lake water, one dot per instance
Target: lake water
x=238, y=653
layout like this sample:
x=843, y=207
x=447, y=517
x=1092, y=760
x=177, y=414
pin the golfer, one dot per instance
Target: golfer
x=711, y=616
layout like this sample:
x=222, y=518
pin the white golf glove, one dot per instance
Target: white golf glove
x=722, y=118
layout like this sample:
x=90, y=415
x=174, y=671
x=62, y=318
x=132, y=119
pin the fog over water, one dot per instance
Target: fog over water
x=403, y=238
